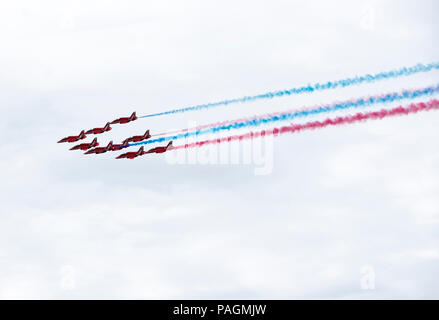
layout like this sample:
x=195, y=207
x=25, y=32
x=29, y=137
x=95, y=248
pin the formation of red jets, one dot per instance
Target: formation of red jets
x=92, y=147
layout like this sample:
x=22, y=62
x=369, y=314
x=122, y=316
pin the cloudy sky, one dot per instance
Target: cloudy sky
x=343, y=213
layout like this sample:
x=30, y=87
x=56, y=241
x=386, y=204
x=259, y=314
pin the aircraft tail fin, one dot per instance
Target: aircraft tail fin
x=146, y=133
x=169, y=145
x=140, y=150
x=110, y=145
x=133, y=116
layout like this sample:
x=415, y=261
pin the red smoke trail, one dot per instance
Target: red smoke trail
x=432, y=104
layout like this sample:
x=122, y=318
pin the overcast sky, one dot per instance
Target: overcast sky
x=349, y=212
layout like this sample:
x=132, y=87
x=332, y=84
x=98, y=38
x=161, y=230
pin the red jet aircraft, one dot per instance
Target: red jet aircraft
x=140, y=138
x=74, y=138
x=100, y=149
x=132, y=155
x=125, y=120
x=99, y=130
x=86, y=146
x=160, y=149
x=116, y=147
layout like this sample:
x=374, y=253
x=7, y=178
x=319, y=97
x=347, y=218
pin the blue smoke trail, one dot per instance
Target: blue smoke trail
x=361, y=102
x=310, y=88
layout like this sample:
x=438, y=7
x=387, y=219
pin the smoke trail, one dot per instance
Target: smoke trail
x=311, y=88
x=290, y=115
x=433, y=104
x=287, y=115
